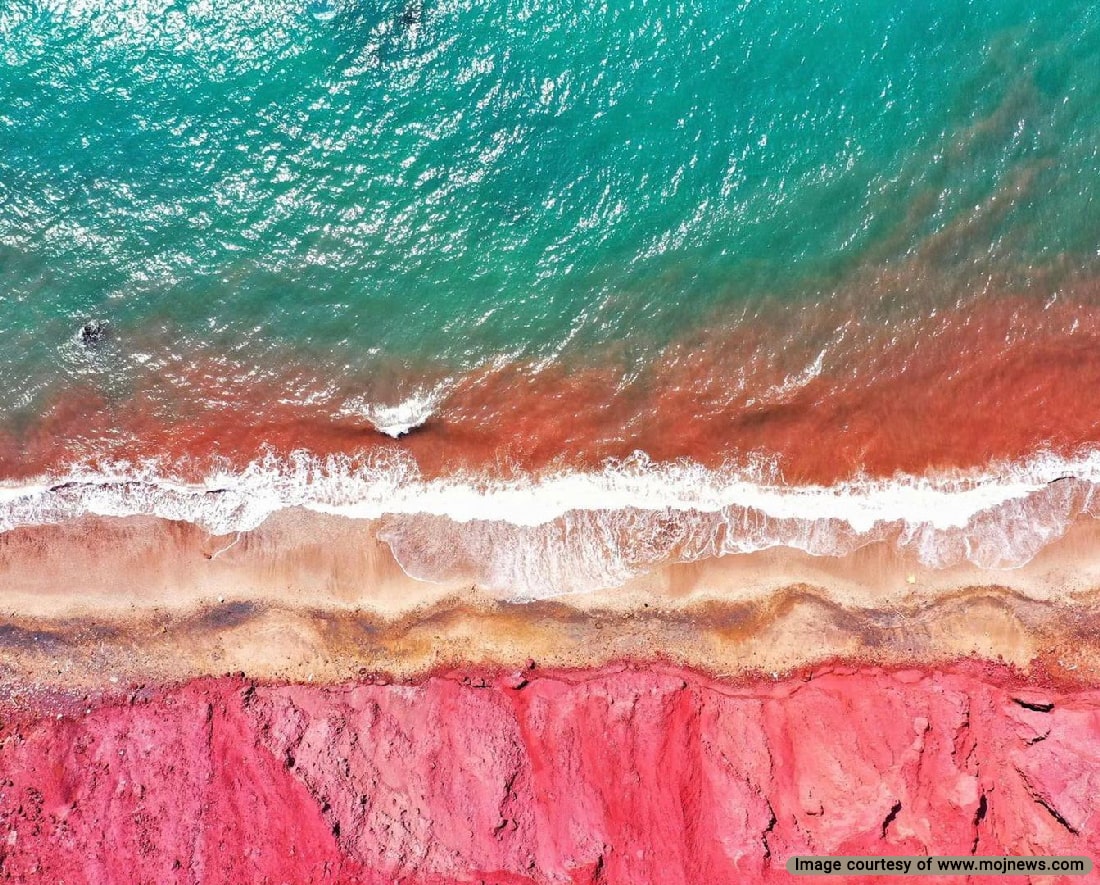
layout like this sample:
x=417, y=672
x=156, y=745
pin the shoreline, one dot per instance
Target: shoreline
x=567, y=532
x=308, y=597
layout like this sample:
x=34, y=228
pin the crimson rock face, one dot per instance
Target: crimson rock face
x=628, y=774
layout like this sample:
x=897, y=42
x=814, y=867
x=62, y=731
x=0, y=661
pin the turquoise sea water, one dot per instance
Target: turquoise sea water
x=768, y=244
x=358, y=183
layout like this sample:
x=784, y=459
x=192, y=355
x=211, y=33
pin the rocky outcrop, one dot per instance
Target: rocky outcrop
x=626, y=774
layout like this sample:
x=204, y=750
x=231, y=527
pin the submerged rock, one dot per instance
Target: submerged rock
x=95, y=331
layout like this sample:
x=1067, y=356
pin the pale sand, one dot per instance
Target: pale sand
x=317, y=597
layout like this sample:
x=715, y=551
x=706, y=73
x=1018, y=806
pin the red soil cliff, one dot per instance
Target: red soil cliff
x=619, y=775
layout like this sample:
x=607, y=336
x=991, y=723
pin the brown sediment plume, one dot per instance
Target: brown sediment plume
x=879, y=387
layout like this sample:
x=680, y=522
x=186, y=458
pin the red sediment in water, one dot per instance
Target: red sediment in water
x=994, y=380
x=623, y=774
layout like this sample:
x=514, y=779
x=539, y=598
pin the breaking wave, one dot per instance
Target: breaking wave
x=404, y=416
x=578, y=531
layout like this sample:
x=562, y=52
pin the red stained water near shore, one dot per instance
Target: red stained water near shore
x=625, y=774
x=962, y=387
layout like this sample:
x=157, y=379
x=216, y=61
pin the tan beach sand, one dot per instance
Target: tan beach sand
x=316, y=597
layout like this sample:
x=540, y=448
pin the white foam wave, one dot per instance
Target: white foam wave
x=398, y=419
x=572, y=531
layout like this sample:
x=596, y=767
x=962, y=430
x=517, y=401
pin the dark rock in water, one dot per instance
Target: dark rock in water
x=413, y=13
x=94, y=331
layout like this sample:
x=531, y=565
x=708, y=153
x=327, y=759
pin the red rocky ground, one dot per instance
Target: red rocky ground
x=620, y=775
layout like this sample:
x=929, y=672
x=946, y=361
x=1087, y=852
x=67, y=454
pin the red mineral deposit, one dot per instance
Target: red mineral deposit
x=628, y=774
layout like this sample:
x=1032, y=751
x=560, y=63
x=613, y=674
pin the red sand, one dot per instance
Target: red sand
x=621, y=775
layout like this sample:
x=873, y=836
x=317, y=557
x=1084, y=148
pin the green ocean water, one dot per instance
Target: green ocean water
x=357, y=184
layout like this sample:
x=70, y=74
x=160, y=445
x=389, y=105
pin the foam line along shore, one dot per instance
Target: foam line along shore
x=584, y=531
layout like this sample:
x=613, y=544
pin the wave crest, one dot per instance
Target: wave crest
x=579, y=531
